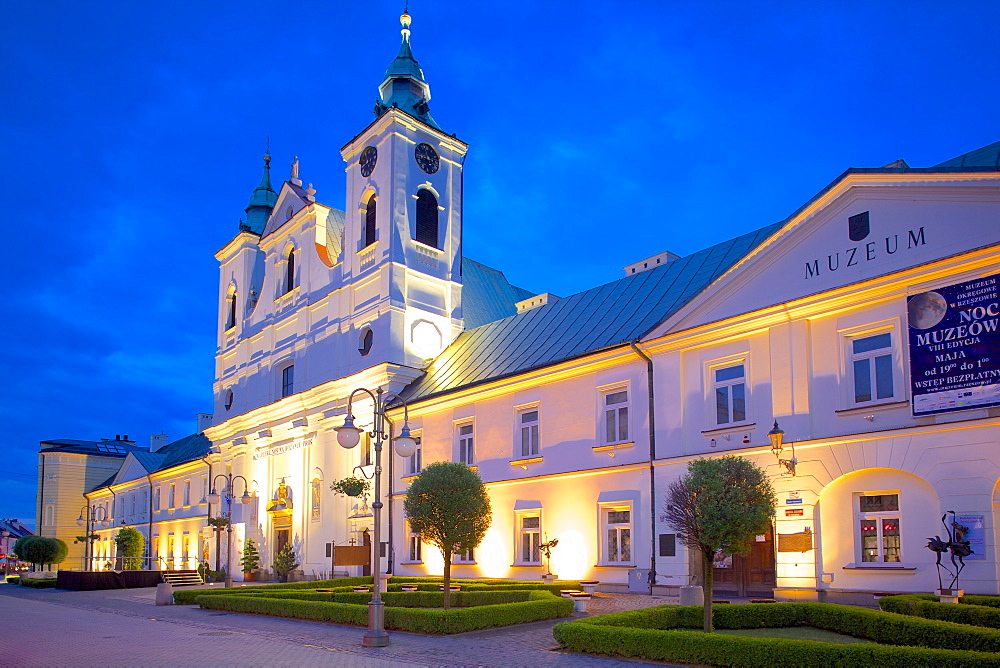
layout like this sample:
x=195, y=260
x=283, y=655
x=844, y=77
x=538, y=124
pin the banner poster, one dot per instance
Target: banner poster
x=955, y=347
x=976, y=535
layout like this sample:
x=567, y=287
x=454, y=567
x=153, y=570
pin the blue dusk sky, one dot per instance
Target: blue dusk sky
x=600, y=132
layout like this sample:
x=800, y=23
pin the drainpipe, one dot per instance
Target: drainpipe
x=149, y=530
x=652, y=458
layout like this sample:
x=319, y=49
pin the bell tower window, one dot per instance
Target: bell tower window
x=290, y=272
x=369, y=237
x=427, y=219
x=231, y=318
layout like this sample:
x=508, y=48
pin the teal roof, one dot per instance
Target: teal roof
x=604, y=317
x=987, y=156
x=262, y=201
x=181, y=451
x=487, y=295
x=404, y=86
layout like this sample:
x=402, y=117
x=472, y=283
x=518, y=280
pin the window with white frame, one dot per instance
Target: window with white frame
x=172, y=496
x=616, y=539
x=529, y=537
x=131, y=498
x=730, y=392
x=288, y=381
x=156, y=499
x=466, y=448
x=414, y=464
x=615, y=408
x=413, y=545
x=527, y=432
x=187, y=492
x=467, y=557
x=878, y=527
x=871, y=368
x=204, y=489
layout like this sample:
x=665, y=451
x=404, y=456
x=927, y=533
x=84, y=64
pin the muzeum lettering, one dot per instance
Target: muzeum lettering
x=864, y=253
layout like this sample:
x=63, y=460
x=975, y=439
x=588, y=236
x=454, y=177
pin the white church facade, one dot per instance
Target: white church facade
x=864, y=327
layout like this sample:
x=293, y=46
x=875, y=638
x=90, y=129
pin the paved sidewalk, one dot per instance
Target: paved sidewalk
x=124, y=627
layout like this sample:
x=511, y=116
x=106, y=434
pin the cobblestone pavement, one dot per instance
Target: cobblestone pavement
x=124, y=627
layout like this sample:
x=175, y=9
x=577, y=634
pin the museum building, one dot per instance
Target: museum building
x=850, y=350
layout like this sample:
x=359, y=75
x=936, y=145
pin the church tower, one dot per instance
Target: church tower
x=403, y=223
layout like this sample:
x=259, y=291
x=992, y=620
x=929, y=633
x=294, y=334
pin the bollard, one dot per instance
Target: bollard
x=692, y=595
x=164, y=594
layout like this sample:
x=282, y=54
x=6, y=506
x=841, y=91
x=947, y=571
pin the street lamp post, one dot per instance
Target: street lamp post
x=405, y=445
x=227, y=493
x=92, y=516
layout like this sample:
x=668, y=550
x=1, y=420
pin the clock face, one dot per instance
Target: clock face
x=368, y=159
x=427, y=158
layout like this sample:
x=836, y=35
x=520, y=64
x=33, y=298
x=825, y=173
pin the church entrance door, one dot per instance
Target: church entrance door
x=749, y=576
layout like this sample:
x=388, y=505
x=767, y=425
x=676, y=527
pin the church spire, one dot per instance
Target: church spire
x=262, y=201
x=404, y=86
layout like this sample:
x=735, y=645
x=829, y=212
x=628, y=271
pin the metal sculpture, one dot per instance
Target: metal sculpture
x=546, y=549
x=956, y=544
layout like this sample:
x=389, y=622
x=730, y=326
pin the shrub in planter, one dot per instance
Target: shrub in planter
x=250, y=560
x=284, y=562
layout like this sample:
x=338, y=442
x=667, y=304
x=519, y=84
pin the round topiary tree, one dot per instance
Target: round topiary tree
x=130, y=544
x=39, y=550
x=449, y=507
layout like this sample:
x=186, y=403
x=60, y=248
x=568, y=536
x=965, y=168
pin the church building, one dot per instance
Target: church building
x=850, y=350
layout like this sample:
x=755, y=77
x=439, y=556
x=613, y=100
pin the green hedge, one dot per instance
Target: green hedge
x=903, y=641
x=38, y=583
x=188, y=596
x=973, y=610
x=536, y=606
x=13, y=579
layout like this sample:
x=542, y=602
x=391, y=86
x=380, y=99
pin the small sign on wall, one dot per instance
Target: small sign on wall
x=795, y=542
x=976, y=535
x=794, y=512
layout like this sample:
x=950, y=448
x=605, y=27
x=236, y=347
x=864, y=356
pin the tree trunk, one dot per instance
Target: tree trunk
x=447, y=579
x=708, y=556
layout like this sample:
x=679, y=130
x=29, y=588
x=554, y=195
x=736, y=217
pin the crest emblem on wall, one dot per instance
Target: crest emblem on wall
x=858, y=227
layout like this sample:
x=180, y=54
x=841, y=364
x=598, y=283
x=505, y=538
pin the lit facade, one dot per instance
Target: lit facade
x=579, y=412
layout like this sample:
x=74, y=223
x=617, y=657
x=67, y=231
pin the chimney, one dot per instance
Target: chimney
x=157, y=441
x=653, y=262
x=204, y=421
x=536, y=301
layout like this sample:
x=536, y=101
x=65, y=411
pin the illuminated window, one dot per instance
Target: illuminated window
x=467, y=557
x=370, y=211
x=871, y=367
x=413, y=545
x=616, y=533
x=615, y=415
x=729, y=390
x=529, y=536
x=290, y=271
x=414, y=463
x=878, y=527
x=527, y=432
x=466, y=448
x=427, y=218
x=287, y=381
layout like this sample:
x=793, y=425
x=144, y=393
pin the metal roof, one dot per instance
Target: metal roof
x=173, y=454
x=104, y=448
x=987, y=156
x=602, y=317
x=487, y=295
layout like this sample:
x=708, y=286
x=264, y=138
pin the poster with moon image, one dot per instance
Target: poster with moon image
x=955, y=347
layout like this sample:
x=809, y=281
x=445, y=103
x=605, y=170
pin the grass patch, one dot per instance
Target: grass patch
x=663, y=634
x=795, y=633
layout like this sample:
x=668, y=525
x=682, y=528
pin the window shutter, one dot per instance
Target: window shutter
x=427, y=219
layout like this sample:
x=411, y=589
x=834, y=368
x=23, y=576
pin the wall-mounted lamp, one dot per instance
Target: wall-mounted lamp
x=777, y=435
x=712, y=443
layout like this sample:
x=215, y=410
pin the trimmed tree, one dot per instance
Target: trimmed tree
x=448, y=506
x=284, y=562
x=250, y=559
x=719, y=504
x=130, y=543
x=39, y=550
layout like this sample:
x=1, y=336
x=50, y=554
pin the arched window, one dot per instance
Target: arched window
x=290, y=272
x=427, y=218
x=365, y=343
x=369, y=238
x=231, y=318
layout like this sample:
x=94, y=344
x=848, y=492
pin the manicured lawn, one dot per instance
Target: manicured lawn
x=796, y=633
